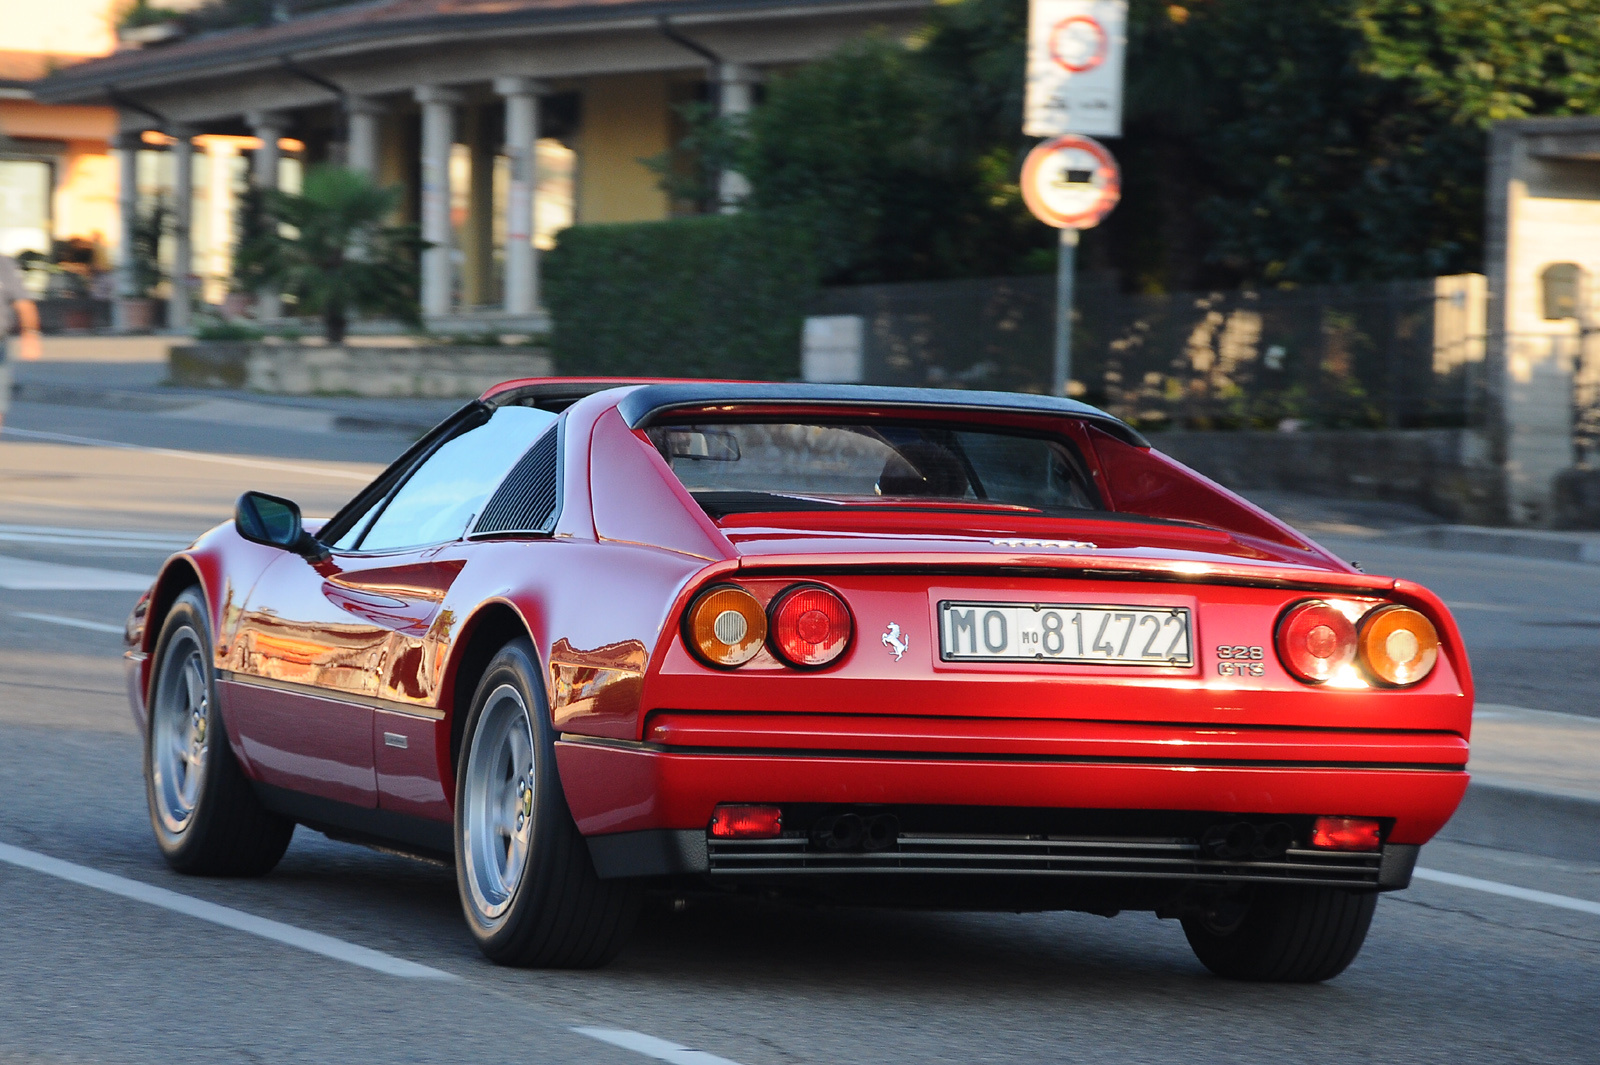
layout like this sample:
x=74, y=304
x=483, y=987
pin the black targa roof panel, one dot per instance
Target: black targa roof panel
x=643, y=404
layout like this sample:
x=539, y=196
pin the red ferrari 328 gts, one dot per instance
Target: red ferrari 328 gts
x=852, y=644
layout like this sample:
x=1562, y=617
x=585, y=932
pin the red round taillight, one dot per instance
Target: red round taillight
x=1316, y=640
x=809, y=626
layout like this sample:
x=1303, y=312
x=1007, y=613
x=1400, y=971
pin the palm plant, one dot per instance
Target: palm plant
x=332, y=247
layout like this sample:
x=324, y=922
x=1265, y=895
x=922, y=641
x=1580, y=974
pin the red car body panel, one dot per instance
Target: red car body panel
x=341, y=679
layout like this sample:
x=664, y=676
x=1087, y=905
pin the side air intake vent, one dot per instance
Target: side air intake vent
x=526, y=500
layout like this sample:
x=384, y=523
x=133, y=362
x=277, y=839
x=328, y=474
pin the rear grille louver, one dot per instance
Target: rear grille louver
x=1147, y=859
x=526, y=500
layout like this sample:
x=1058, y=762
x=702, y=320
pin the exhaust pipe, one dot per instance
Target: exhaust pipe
x=880, y=833
x=838, y=833
x=1275, y=841
x=852, y=832
x=1240, y=840
x=1230, y=842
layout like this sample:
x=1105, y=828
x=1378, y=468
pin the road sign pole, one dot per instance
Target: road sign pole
x=1066, y=264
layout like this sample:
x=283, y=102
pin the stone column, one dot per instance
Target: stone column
x=179, y=302
x=128, y=145
x=477, y=232
x=268, y=127
x=735, y=96
x=522, y=148
x=438, y=134
x=366, y=122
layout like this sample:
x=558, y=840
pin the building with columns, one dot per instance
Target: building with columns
x=503, y=121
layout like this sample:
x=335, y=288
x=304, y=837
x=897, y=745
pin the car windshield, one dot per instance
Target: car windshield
x=762, y=466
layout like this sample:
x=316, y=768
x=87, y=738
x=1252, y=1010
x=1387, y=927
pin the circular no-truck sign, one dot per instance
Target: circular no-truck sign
x=1071, y=182
x=1078, y=44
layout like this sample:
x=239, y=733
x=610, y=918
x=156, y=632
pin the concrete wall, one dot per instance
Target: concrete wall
x=1448, y=471
x=1543, y=199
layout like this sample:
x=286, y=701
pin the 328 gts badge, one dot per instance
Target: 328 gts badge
x=1241, y=660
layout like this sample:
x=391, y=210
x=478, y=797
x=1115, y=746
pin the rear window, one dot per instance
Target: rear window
x=755, y=466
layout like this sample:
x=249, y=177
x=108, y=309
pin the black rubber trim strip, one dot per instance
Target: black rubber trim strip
x=651, y=852
x=640, y=406
x=1394, y=870
x=416, y=836
x=1008, y=759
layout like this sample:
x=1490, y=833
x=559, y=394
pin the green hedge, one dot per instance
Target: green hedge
x=714, y=296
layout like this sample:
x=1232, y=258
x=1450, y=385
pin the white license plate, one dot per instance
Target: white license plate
x=1055, y=632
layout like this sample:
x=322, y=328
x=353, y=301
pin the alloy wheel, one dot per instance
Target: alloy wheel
x=180, y=729
x=499, y=800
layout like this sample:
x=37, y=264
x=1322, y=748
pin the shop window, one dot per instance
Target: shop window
x=25, y=206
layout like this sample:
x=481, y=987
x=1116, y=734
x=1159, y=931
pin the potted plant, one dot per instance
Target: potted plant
x=140, y=309
x=332, y=248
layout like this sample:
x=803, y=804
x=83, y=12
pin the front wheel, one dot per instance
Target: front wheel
x=206, y=817
x=523, y=871
x=1285, y=935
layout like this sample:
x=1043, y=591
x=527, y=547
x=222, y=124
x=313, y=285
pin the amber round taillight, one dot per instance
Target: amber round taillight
x=1316, y=640
x=725, y=626
x=810, y=626
x=1398, y=645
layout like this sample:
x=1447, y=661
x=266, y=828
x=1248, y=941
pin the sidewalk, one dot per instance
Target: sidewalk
x=1403, y=525
x=91, y=372
x=1535, y=784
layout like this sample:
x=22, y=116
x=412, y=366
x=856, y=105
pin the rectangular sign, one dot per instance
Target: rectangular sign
x=1075, y=56
x=1064, y=632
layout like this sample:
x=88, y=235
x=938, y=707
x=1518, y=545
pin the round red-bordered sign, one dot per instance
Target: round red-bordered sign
x=1071, y=182
x=1078, y=44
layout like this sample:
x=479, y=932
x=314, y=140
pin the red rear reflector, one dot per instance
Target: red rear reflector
x=746, y=822
x=1346, y=834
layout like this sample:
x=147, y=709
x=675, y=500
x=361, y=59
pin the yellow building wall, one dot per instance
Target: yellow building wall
x=625, y=119
x=85, y=200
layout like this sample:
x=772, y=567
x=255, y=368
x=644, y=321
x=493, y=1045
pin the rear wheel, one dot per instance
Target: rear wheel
x=206, y=817
x=1284, y=935
x=526, y=881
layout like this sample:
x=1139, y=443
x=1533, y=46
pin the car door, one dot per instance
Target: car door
x=321, y=659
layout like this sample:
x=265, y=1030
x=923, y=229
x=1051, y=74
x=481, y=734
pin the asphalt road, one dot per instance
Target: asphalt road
x=89, y=974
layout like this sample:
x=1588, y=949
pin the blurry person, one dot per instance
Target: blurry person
x=16, y=305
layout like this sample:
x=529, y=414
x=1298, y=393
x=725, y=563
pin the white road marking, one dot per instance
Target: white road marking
x=71, y=623
x=55, y=534
x=30, y=575
x=226, y=916
x=228, y=460
x=651, y=1047
x=1510, y=891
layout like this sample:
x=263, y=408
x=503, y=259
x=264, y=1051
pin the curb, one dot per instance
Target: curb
x=172, y=401
x=1526, y=543
x=1532, y=822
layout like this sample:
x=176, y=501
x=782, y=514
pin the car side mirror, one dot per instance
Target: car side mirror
x=275, y=522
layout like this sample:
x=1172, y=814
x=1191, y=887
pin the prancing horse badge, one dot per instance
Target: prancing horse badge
x=895, y=642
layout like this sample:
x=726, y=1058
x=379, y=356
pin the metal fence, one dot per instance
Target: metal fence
x=1398, y=354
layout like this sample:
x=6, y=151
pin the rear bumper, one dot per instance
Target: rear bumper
x=1413, y=782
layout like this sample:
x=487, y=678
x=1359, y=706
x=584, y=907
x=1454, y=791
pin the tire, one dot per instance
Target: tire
x=206, y=817
x=1286, y=935
x=527, y=885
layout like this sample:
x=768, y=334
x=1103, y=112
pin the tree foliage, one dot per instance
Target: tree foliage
x=333, y=248
x=1266, y=141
